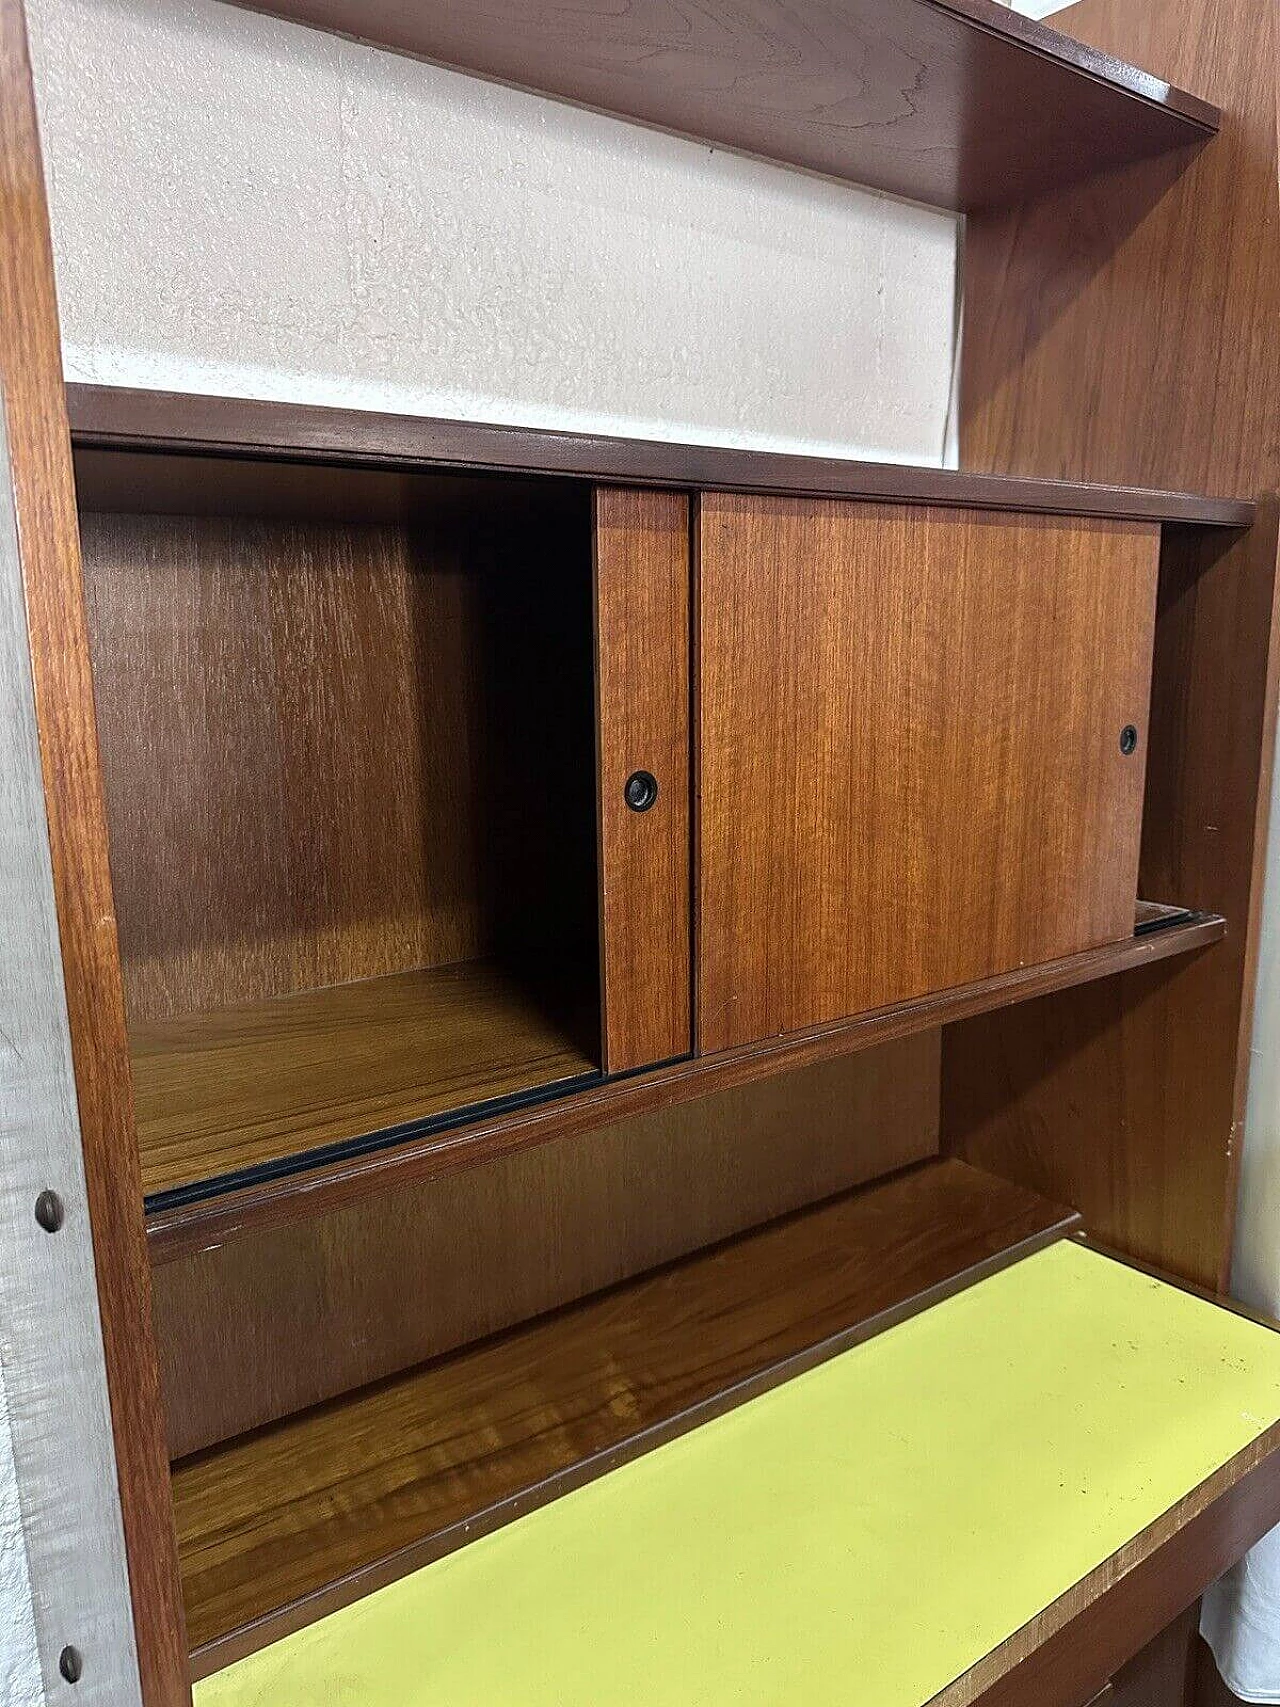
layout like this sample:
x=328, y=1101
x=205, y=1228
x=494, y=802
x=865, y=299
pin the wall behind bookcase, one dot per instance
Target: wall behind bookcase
x=243, y=205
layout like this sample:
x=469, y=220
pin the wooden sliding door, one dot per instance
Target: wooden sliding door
x=921, y=743
x=642, y=694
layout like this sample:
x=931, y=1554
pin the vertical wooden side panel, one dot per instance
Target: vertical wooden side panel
x=1126, y=1098
x=1125, y=330
x=642, y=677
x=30, y=361
x=912, y=772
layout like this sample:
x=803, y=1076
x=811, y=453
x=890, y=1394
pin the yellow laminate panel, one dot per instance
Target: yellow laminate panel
x=860, y=1535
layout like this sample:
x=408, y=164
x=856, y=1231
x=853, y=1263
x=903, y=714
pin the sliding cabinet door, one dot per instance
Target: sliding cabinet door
x=921, y=749
x=642, y=695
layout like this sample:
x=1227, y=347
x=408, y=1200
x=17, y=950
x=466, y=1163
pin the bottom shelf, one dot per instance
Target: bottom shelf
x=1000, y=1500
x=362, y=1490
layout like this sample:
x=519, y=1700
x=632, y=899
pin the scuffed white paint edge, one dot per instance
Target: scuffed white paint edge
x=19, y=1662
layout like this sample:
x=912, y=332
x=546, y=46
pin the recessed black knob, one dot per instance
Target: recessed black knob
x=49, y=1211
x=641, y=790
x=71, y=1664
x=1128, y=740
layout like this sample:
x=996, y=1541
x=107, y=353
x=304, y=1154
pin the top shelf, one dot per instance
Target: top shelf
x=123, y=418
x=957, y=103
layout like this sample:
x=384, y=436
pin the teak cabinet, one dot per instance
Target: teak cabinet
x=563, y=937
x=461, y=813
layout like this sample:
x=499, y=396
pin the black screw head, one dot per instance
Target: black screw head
x=71, y=1664
x=641, y=790
x=50, y=1212
x=1128, y=740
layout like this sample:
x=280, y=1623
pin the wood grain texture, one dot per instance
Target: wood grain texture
x=225, y=1091
x=1160, y=1674
x=357, y=1493
x=341, y=749
x=642, y=699
x=30, y=363
x=1129, y=325
x=124, y=417
x=184, y=1230
x=1156, y=1061
x=1097, y=1626
x=911, y=775
x=959, y=103
x=1122, y=330
x=261, y=1325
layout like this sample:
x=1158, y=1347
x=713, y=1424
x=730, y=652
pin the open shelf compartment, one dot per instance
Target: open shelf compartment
x=347, y=732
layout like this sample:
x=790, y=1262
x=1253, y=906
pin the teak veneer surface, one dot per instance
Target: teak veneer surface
x=221, y=1092
x=895, y=1515
x=120, y=420
x=642, y=700
x=274, y=1320
x=408, y=1467
x=346, y=726
x=959, y=103
x=942, y=795
x=188, y=1227
x=1124, y=329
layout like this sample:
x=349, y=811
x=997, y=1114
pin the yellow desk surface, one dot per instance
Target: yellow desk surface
x=859, y=1536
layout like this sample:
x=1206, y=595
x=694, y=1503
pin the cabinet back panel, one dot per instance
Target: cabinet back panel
x=911, y=767
x=269, y=1322
x=344, y=747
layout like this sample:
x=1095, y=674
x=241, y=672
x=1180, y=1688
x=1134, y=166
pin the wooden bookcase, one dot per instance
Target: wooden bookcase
x=562, y=934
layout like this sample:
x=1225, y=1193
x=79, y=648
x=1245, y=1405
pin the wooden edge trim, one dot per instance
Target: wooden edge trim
x=1269, y=515
x=216, y=1655
x=1035, y=36
x=62, y=696
x=1074, y=1646
x=184, y=1231
x=1028, y=35
x=126, y=418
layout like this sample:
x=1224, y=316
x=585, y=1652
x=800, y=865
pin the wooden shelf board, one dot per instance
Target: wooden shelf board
x=130, y=418
x=222, y=1094
x=958, y=103
x=313, y=1512
x=188, y=1227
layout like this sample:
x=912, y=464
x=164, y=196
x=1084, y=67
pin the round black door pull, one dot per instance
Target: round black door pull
x=71, y=1664
x=49, y=1211
x=640, y=791
x=1128, y=740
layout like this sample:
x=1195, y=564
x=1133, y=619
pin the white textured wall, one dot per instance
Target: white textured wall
x=243, y=206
